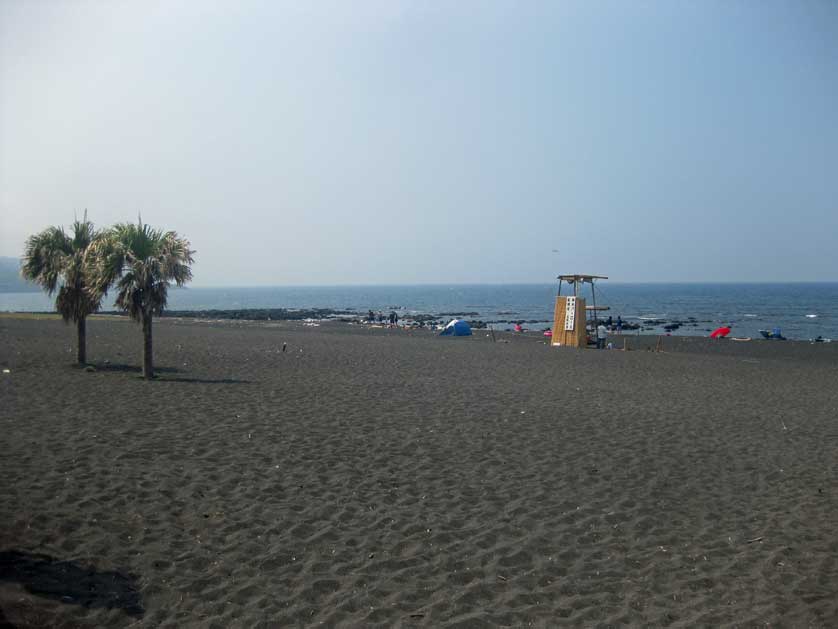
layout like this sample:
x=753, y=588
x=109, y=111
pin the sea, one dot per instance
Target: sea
x=799, y=310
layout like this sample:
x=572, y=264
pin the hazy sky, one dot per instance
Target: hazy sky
x=406, y=142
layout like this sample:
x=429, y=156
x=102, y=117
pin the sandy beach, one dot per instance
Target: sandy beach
x=374, y=477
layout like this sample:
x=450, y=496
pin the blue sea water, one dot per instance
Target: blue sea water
x=801, y=310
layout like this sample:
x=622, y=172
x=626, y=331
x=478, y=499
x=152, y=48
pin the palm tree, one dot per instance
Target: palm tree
x=56, y=261
x=142, y=262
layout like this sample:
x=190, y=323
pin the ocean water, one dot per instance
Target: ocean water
x=801, y=310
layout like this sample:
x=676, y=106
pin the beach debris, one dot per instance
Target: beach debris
x=284, y=347
x=774, y=334
x=502, y=578
x=756, y=539
x=7, y=371
x=90, y=368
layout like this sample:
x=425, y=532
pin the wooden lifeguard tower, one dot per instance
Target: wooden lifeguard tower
x=570, y=321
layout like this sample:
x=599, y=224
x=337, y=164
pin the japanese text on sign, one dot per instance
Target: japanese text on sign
x=570, y=313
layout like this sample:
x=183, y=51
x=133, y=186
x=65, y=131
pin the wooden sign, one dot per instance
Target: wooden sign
x=570, y=314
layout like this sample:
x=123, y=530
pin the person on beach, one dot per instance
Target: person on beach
x=619, y=324
x=371, y=317
x=601, y=334
x=392, y=318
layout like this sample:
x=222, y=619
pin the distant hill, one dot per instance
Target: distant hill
x=10, y=279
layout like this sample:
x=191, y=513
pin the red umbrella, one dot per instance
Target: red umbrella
x=720, y=332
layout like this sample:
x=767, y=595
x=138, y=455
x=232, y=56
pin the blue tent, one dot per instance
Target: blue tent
x=456, y=327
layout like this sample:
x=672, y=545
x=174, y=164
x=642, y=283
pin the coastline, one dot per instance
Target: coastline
x=802, y=311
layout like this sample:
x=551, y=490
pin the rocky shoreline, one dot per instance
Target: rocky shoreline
x=419, y=320
x=350, y=315
x=347, y=315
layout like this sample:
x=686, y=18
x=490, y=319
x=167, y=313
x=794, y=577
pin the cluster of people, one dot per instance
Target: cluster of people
x=618, y=327
x=602, y=330
x=392, y=319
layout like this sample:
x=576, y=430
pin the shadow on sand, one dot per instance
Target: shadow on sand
x=159, y=374
x=4, y=622
x=202, y=380
x=70, y=582
x=119, y=368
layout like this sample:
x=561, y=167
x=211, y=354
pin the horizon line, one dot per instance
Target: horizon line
x=544, y=283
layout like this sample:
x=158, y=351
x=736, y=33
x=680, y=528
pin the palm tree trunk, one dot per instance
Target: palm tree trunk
x=148, y=366
x=81, y=351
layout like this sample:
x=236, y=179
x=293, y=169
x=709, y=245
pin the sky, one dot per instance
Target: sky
x=401, y=142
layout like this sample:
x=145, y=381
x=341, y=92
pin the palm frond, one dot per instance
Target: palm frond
x=143, y=261
x=176, y=258
x=44, y=257
x=74, y=303
x=105, y=262
x=58, y=262
x=83, y=233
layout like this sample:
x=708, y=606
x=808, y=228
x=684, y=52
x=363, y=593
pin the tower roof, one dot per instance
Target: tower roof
x=580, y=277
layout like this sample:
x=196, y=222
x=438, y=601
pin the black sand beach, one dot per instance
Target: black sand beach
x=373, y=477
